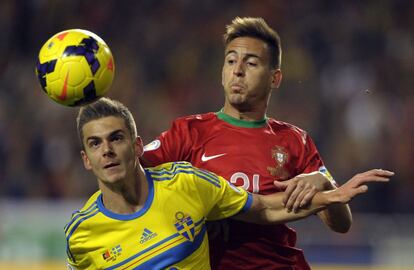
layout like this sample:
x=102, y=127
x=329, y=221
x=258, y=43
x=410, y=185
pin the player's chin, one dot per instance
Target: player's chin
x=237, y=99
x=114, y=176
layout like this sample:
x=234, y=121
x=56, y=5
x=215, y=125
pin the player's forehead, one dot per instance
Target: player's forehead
x=247, y=46
x=103, y=127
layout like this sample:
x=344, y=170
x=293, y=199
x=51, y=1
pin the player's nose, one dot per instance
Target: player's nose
x=108, y=149
x=238, y=69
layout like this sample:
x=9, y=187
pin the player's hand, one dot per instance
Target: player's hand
x=300, y=190
x=357, y=185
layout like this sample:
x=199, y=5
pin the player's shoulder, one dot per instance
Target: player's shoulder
x=81, y=217
x=196, y=119
x=287, y=128
x=181, y=173
x=92, y=199
x=170, y=167
x=169, y=171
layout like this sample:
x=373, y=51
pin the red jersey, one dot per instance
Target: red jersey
x=251, y=155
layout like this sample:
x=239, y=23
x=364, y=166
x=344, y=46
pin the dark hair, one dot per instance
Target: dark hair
x=256, y=28
x=104, y=107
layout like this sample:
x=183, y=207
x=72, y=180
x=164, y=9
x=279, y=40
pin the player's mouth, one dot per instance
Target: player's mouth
x=110, y=165
x=237, y=87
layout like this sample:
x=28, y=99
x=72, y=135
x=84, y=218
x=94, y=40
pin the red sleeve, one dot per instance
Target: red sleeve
x=173, y=144
x=311, y=160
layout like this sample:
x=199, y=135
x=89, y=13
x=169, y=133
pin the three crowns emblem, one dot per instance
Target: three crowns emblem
x=185, y=226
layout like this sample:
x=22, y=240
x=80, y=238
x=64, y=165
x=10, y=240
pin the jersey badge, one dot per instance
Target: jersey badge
x=185, y=226
x=154, y=145
x=110, y=255
x=147, y=235
x=280, y=155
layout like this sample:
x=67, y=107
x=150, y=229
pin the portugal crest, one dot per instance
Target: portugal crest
x=281, y=157
x=185, y=226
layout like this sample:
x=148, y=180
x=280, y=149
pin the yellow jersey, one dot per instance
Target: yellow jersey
x=169, y=232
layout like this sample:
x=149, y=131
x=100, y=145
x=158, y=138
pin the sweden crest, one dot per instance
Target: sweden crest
x=185, y=226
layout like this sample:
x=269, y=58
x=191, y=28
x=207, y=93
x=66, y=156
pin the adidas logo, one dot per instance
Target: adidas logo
x=147, y=235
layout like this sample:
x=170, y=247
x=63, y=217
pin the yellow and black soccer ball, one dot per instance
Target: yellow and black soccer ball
x=75, y=67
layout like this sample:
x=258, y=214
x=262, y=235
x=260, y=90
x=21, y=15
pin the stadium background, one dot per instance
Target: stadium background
x=348, y=81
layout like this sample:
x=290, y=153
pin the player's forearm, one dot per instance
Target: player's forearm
x=337, y=217
x=275, y=212
x=269, y=209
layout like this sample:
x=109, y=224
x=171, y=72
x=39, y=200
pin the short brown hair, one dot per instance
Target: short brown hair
x=256, y=28
x=104, y=107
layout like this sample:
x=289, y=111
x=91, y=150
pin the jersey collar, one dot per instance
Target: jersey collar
x=135, y=215
x=240, y=123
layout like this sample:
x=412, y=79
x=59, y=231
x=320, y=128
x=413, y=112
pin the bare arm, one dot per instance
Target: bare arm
x=269, y=209
x=299, y=193
x=337, y=217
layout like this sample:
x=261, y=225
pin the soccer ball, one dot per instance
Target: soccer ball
x=75, y=67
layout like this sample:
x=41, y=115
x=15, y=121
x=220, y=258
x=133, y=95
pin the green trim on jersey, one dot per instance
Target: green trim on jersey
x=240, y=123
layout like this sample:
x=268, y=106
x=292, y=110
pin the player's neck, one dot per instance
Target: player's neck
x=246, y=115
x=129, y=196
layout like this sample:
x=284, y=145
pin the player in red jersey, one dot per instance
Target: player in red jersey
x=251, y=150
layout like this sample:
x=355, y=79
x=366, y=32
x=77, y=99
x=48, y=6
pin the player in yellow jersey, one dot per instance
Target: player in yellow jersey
x=155, y=218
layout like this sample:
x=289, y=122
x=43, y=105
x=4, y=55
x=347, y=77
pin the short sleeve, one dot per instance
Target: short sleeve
x=74, y=259
x=313, y=161
x=220, y=198
x=173, y=144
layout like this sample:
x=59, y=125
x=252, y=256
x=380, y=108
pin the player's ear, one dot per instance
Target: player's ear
x=86, y=161
x=276, y=78
x=139, y=147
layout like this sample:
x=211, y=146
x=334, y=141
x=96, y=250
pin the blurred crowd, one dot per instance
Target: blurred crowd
x=347, y=79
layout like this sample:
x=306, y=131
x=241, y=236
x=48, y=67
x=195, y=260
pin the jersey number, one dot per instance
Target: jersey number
x=242, y=180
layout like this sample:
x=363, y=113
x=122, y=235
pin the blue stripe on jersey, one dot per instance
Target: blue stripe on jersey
x=210, y=175
x=187, y=172
x=200, y=221
x=213, y=180
x=132, y=216
x=80, y=221
x=173, y=169
x=69, y=253
x=90, y=212
x=77, y=214
x=184, y=168
x=170, y=256
x=175, y=254
x=144, y=251
x=248, y=203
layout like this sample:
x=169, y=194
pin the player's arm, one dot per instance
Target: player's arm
x=77, y=254
x=300, y=191
x=269, y=209
x=337, y=217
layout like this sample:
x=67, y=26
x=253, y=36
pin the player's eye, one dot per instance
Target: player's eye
x=231, y=61
x=93, y=143
x=117, y=137
x=251, y=64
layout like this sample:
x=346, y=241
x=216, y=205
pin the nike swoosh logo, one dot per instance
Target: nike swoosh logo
x=62, y=95
x=205, y=158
